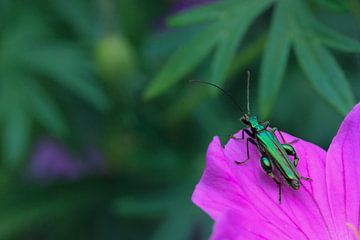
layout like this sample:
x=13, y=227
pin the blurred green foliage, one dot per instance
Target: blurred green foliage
x=113, y=76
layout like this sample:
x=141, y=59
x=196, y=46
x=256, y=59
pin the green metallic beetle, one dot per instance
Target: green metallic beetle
x=273, y=153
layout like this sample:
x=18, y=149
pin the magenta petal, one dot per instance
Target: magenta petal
x=234, y=225
x=343, y=174
x=217, y=190
x=305, y=209
x=250, y=197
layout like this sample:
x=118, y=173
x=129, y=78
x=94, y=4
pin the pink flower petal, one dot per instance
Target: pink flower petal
x=301, y=208
x=217, y=190
x=343, y=175
x=233, y=226
x=252, y=196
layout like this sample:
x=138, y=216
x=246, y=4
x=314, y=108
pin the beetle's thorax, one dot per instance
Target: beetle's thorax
x=253, y=123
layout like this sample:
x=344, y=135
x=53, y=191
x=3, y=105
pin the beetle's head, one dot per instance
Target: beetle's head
x=295, y=184
x=251, y=121
x=245, y=120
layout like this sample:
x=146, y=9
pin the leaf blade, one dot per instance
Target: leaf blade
x=275, y=58
x=232, y=37
x=324, y=73
x=68, y=67
x=203, y=13
x=335, y=39
x=192, y=52
x=16, y=136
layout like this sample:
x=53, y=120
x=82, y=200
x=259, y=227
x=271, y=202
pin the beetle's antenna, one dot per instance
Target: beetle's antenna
x=248, y=92
x=223, y=92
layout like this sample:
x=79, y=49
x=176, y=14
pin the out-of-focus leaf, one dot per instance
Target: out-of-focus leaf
x=227, y=32
x=309, y=37
x=68, y=67
x=42, y=107
x=25, y=61
x=15, y=135
x=16, y=39
x=77, y=14
x=16, y=123
x=324, y=72
x=231, y=37
x=334, y=39
x=336, y=5
x=186, y=58
x=212, y=11
x=354, y=7
x=275, y=57
x=22, y=99
x=248, y=54
x=159, y=45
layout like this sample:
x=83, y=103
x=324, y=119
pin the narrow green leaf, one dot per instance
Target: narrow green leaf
x=15, y=136
x=275, y=58
x=335, y=5
x=208, y=12
x=251, y=52
x=42, y=107
x=160, y=45
x=334, y=39
x=67, y=66
x=232, y=35
x=324, y=73
x=77, y=14
x=184, y=60
x=306, y=20
x=226, y=52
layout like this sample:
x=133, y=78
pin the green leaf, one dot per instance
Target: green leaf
x=248, y=54
x=334, y=39
x=16, y=135
x=232, y=35
x=227, y=32
x=184, y=60
x=324, y=73
x=77, y=14
x=42, y=107
x=335, y=5
x=67, y=66
x=160, y=45
x=275, y=57
x=213, y=11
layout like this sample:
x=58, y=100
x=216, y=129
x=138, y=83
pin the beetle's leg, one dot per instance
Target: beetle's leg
x=293, y=141
x=243, y=135
x=265, y=124
x=282, y=137
x=306, y=178
x=276, y=180
x=247, y=151
x=274, y=129
x=267, y=167
x=291, y=151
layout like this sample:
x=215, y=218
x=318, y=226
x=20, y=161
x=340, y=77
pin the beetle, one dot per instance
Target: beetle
x=273, y=153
